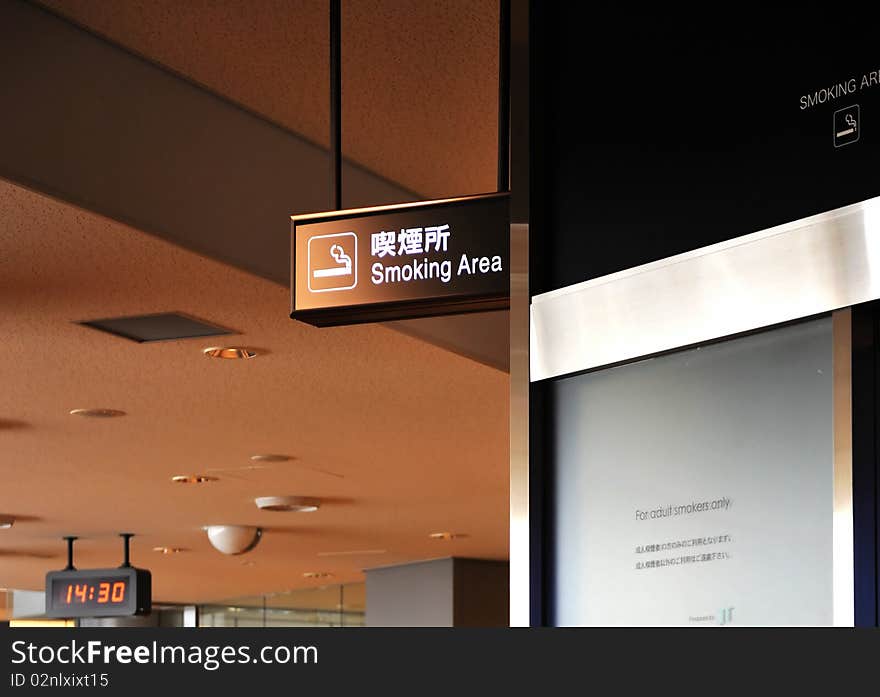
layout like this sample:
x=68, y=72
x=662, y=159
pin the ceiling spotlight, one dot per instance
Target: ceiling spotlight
x=234, y=539
x=446, y=536
x=97, y=413
x=289, y=504
x=6, y=522
x=271, y=457
x=231, y=352
x=169, y=550
x=317, y=574
x=193, y=479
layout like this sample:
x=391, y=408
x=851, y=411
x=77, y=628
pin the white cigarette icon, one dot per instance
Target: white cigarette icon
x=851, y=122
x=332, y=262
x=344, y=269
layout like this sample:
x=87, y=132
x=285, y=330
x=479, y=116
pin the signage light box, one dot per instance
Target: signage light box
x=401, y=262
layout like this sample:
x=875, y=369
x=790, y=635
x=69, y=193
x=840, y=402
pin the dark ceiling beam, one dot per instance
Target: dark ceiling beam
x=95, y=125
x=90, y=123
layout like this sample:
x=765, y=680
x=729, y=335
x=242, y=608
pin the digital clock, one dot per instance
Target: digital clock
x=98, y=592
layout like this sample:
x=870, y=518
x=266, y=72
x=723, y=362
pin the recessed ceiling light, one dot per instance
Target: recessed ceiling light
x=289, y=504
x=6, y=522
x=169, y=550
x=271, y=457
x=192, y=479
x=232, y=352
x=97, y=413
x=317, y=574
x=446, y=536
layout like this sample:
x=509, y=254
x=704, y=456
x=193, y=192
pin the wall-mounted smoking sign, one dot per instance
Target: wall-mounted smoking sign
x=400, y=262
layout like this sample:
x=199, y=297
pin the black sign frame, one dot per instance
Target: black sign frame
x=458, y=303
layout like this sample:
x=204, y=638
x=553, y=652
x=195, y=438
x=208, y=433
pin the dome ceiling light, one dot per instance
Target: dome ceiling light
x=234, y=539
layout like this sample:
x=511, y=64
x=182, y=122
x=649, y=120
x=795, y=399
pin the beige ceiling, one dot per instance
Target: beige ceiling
x=419, y=77
x=400, y=438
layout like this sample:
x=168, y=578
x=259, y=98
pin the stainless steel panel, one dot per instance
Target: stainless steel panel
x=814, y=265
x=843, y=577
x=519, y=426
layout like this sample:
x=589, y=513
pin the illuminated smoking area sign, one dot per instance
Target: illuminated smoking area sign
x=400, y=262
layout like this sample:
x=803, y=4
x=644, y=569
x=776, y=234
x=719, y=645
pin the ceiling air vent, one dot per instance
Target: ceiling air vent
x=166, y=326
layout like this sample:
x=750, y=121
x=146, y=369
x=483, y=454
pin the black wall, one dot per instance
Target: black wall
x=654, y=135
x=866, y=460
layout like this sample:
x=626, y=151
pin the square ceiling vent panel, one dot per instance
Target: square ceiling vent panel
x=166, y=326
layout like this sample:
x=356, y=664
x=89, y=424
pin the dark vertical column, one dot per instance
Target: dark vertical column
x=539, y=413
x=521, y=564
x=866, y=428
x=538, y=145
x=504, y=95
x=540, y=486
x=518, y=110
x=481, y=593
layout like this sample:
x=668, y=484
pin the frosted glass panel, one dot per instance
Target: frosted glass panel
x=697, y=488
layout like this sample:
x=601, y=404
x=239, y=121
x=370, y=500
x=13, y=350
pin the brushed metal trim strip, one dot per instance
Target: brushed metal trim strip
x=520, y=550
x=814, y=265
x=843, y=576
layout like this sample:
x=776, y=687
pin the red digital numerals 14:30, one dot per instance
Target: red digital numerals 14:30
x=107, y=592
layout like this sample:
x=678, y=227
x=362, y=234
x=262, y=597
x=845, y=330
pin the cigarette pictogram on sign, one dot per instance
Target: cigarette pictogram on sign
x=333, y=262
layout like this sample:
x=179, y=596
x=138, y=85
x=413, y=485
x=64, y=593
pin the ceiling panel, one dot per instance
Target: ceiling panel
x=419, y=78
x=399, y=437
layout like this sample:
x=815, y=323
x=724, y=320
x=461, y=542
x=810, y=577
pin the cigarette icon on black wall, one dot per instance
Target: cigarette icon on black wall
x=846, y=126
x=851, y=122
